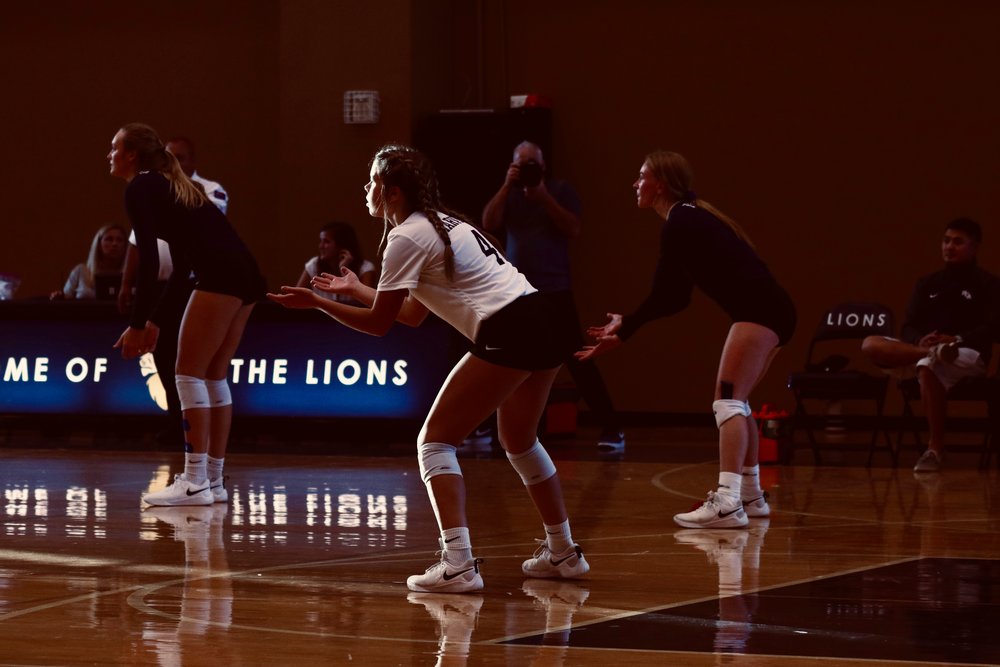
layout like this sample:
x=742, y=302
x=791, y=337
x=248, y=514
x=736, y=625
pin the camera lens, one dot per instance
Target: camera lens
x=530, y=174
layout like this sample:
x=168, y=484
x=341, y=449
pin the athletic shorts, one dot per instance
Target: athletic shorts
x=775, y=311
x=968, y=364
x=524, y=334
x=236, y=275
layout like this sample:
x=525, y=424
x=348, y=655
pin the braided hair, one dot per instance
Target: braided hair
x=152, y=155
x=409, y=170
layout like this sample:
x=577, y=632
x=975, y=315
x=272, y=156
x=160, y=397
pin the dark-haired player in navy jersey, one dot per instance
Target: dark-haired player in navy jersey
x=163, y=203
x=702, y=247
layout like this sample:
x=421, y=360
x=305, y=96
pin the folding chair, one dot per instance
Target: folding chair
x=831, y=379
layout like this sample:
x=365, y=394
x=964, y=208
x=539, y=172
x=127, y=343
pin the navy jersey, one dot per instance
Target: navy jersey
x=961, y=300
x=699, y=250
x=201, y=241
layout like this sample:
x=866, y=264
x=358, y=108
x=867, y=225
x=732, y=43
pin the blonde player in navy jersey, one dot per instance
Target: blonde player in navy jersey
x=163, y=203
x=702, y=247
x=434, y=261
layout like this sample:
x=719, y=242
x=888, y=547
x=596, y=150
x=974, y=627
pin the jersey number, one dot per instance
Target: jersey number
x=487, y=247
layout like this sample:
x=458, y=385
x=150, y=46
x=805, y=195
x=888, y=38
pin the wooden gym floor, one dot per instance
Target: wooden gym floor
x=306, y=563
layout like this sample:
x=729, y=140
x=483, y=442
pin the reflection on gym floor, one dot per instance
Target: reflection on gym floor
x=307, y=561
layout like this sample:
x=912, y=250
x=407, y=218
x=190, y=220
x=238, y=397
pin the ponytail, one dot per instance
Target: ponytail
x=152, y=155
x=674, y=171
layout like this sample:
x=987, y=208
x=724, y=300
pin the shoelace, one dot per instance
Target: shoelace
x=543, y=546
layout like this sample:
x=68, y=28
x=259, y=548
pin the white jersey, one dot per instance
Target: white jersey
x=484, y=282
x=214, y=191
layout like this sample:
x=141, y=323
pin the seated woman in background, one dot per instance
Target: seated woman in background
x=338, y=249
x=107, y=257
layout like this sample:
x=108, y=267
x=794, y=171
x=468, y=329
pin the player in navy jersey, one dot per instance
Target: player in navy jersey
x=163, y=203
x=701, y=247
x=432, y=260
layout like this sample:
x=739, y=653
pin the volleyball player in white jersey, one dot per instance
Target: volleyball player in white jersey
x=434, y=261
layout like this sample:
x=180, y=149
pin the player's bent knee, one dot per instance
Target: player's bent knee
x=437, y=458
x=218, y=393
x=727, y=408
x=534, y=465
x=192, y=392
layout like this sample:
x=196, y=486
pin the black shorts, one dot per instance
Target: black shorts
x=524, y=334
x=235, y=275
x=773, y=310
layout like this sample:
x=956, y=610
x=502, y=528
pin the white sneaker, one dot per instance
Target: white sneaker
x=544, y=564
x=218, y=486
x=181, y=492
x=757, y=508
x=716, y=512
x=443, y=577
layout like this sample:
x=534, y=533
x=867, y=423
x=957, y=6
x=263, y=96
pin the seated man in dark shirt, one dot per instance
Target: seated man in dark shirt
x=948, y=334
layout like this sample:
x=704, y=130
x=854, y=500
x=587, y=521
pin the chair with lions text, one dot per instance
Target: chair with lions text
x=830, y=377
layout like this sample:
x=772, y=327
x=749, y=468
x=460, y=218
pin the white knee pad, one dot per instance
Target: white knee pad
x=218, y=393
x=727, y=408
x=437, y=458
x=192, y=392
x=534, y=465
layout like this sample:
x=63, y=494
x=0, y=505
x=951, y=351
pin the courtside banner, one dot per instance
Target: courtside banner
x=58, y=359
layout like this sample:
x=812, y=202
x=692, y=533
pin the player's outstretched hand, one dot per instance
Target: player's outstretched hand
x=609, y=329
x=603, y=346
x=342, y=284
x=606, y=337
x=294, y=297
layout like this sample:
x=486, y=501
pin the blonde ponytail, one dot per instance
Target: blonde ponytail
x=186, y=192
x=674, y=171
x=152, y=155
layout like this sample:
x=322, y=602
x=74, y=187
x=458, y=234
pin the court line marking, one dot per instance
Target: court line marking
x=707, y=598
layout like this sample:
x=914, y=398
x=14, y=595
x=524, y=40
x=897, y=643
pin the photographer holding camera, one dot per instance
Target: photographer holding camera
x=538, y=216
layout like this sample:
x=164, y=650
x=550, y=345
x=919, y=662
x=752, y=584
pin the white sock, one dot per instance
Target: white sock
x=214, y=467
x=558, y=537
x=750, y=484
x=729, y=486
x=457, y=545
x=194, y=468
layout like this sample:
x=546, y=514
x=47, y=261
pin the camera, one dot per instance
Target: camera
x=530, y=174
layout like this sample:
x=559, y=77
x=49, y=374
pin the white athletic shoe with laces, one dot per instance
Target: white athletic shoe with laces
x=544, y=564
x=181, y=492
x=443, y=577
x=717, y=511
x=219, y=492
x=757, y=508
